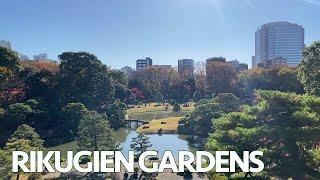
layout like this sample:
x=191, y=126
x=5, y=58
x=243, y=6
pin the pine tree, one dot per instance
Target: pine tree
x=23, y=139
x=285, y=126
x=95, y=134
x=140, y=143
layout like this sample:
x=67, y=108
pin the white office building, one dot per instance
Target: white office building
x=279, y=40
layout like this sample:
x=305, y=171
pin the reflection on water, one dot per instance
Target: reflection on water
x=160, y=143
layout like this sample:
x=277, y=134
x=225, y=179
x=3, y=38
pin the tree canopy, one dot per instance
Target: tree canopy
x=285, y=126
x=309, y=73
x=95, y=134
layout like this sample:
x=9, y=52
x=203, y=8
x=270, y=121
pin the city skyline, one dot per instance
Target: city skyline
x=119, y=33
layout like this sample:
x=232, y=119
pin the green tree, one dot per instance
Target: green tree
x=43, y=84
x=5, y=74
x=221, y=77
x=116, y=113
x=176, y=107
x=31, y=112
x=84, y=79
x=199, y=121
x=9, y=59
x=17, y=113
x=228, y=102
x=72, y=114
x=280, y=78
x=309, y=73
x=196, y=96
x=23, y=139
x=285, y=126
x=159, y=98
x=121, y=80
x=95, y=134
x=140, y=144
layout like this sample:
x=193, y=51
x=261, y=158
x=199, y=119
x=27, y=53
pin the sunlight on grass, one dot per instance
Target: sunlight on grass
x=168, y=125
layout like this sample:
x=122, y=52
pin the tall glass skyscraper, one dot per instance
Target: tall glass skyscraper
x=279, y=40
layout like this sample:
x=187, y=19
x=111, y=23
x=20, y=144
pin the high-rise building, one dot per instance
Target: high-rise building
x=274, y=62
x=253, y=62
x=6, y=44
x=279, y=40
x=143, y=63
x=186, y=67
x=238, y=65
x=127, y=70
x=41, y=56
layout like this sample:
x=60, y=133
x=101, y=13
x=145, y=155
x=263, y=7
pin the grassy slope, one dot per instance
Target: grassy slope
x=152, y=107
x=151, y=112
x=170, y=126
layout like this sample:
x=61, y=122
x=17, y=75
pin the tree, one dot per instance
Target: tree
x=84, y=79
x=31, y=112
x=159, y=98
x=25, y=132
x=140, y=144
x=149, y=81
x=196, y=96
x=9, y=59
x=285, y=126
x=23, y=139
x=17, y=113
x=138, y=94
x=309, y=73
x=72, y=113
x=116, y=113
x=221, y=77
x=280, y=78
x=5, y=74
x=40, y=65
x=200, y=120
x=43, y=84
x=95, y=134
x=176, y=107
x=10, y=84
x=228, y=102
x=200, y=79
x=122, y=91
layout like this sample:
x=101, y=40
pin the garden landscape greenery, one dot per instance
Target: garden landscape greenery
x=276, y=110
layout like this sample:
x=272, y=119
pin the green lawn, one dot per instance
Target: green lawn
x=168, y=125
x=157, y=115
x=152, y=111
x=154, y=107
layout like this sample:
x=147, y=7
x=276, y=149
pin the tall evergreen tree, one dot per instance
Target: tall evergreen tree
x=285, y=126
x=95, y=134
x=309, y=73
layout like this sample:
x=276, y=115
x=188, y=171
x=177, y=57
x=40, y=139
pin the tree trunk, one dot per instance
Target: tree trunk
x=18, y=176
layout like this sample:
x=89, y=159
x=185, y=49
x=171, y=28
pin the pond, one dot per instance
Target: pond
x=160, y=143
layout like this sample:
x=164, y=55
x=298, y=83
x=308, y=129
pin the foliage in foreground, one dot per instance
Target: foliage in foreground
x=285, y=126
x=309, y=73
x=95, y=134
x=23, y=139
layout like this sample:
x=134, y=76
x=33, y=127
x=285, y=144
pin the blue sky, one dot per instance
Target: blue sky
x=121, y=31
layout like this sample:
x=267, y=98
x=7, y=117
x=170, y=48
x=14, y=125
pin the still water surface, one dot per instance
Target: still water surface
x=160, y=143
